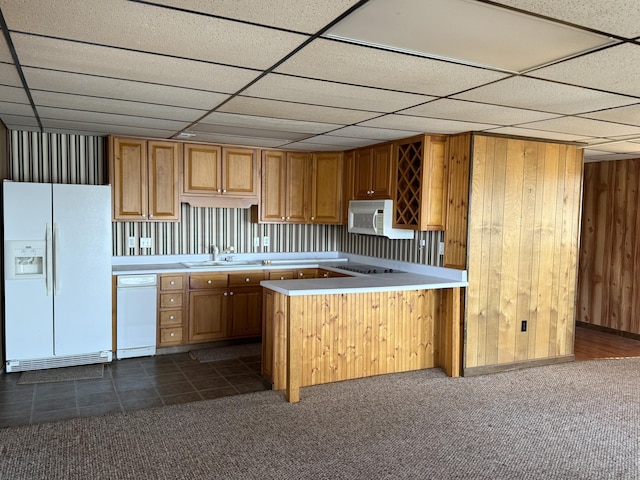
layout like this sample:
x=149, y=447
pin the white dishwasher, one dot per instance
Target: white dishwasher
x=136, y=306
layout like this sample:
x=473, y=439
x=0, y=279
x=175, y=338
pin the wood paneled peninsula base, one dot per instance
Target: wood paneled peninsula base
x=316, y=339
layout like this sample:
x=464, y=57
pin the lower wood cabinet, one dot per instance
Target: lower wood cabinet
x=224, y=306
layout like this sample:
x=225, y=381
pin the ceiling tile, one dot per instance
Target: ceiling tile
x=303, y=90
x=109, y=119
x=5, y=54
x=28, y=119
x=239, y=140
x=624, y=147
x=9, y=75
x=294, y=111
x=252, y=121
x=522, y=92
x=13, y=94
x=298, y=15
x=593, y=156
x=584, y=127
x=120, y=107
x=476, y=112
x=149, y=28
x=615, y=69
x=533, y=133
x=311, y=147
x=347, y=63
x=619, y=17
x=116, y=63
x=89, y=85
x=379, y=134
x=422, y=124
x=12, y=108
x=246, y=132
x=99, y=129
x=344, y=142
x=629, y=115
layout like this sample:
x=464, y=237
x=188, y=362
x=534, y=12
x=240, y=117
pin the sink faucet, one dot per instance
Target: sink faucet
x=230, y=249
x=216, y=251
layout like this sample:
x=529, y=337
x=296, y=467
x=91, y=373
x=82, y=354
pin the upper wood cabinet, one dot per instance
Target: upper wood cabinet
x=220, y=176
x=348, y=190
x=420, y=182
x=285, y=187
x=372, y=173
x=301, y=187
x=144, y=177
x=326, y=187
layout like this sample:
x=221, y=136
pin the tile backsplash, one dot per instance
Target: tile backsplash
x=61, y=158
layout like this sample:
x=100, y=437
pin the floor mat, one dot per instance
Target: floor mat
x=226, y=353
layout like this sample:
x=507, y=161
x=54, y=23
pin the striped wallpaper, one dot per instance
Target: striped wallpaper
x=60, y=158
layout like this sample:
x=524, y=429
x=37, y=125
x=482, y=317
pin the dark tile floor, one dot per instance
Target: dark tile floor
x=128, y=384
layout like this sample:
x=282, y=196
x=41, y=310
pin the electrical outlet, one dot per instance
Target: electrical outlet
x=132, y=242
x=145, y=242
x=523, y=326
x=423, y=242
x=256, y=241
x=265, y=241
x=441, y=248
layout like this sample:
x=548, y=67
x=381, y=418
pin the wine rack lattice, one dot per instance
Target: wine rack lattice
x=409, y=174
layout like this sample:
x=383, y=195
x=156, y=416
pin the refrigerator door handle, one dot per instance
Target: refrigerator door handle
x=48, y=259
x=56, y=265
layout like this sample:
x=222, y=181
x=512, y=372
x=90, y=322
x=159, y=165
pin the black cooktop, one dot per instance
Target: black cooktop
x=362, y=268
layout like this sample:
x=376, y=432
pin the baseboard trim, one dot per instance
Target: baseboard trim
x=505, y=367
x=613, y=331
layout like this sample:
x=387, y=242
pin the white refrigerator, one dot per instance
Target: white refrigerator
x=57, y=275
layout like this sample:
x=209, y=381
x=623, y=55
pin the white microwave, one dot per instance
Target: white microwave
x=374, y=217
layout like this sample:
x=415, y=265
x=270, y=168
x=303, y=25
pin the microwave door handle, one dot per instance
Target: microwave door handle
x=374, y=220
x=48, y=259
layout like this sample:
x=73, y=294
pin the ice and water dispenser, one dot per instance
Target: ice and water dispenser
x=25, y=259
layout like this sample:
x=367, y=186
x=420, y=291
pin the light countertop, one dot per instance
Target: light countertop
x=408, y=276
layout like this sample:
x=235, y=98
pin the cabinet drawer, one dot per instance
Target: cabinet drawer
x=170, y=335
x=248, y=278
x=169, y=300
x=170, y=317
x=207, y=280
x=281, y=275
x=171, y=282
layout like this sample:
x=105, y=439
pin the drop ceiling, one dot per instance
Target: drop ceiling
x=330, y=75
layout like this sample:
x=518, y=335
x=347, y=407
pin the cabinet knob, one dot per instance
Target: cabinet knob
x=171, y=334
x=224, y=190
x=247, y=279
x=281, y=278
x=172, y=282
x=171, y=317
x=209, y=282
x=325, y=275
x=225, y=294
x=282, y=218
x=230, y=293
x=172, y=300
x=313, y=218
x=288, y=218
x=151, y=215
x=219, y=190
x=301, y=274
x=144, y=215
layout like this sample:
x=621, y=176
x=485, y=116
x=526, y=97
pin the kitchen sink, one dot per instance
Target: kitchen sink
x=218, y=263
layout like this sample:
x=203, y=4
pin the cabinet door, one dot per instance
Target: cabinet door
x=245, y=311
x=207, y=315
x=164, y=173
x=239, y=172
x=362, y=174
x=273, y=186
x=326, y=191
x=297, y=187
x=348, y=191
x=381, y=172
x=202, y=169
x=129, y=178
x=435, y=190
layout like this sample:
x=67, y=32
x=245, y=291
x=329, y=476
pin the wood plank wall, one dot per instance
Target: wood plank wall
x=608, y=291
x=522, y=251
